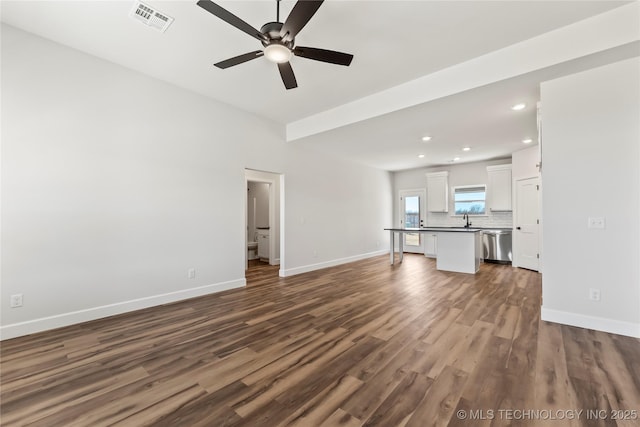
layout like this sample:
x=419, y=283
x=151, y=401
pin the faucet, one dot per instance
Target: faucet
x=466, y=217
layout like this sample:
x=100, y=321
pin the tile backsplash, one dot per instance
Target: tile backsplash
x=494, y=219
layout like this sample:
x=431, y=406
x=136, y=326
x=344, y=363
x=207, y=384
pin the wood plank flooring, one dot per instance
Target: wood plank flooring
x=361, y=344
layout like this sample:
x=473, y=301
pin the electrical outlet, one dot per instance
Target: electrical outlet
x=16, y=300
x=315, y=254
x=594, y=294
x=191, y=273
x=595, y=222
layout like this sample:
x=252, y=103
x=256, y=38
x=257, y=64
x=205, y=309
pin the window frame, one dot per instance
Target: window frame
x=484, y=200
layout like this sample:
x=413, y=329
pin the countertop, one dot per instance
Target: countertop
x=475, y=228
x=442, y=229
x=452, y=229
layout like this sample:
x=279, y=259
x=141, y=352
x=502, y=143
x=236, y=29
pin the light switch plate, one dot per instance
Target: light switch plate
x=596, y=222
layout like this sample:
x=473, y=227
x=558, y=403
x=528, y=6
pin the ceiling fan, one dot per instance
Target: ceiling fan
x=278, y=39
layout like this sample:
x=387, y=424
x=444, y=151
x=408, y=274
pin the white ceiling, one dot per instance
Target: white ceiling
x=392, y=41
x=480, y=118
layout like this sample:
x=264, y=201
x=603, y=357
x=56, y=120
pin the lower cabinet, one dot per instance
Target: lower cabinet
x=430, y=245
x=263, y=244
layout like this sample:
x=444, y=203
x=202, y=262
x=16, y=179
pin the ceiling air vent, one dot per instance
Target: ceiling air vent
x=150, y=16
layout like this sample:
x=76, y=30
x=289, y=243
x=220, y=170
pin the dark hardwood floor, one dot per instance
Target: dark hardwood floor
x=360, y=344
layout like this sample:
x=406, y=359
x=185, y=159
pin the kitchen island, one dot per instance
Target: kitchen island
x=459, y=248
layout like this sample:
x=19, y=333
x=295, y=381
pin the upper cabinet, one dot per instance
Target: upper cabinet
x=499, y=188
x=438, y=192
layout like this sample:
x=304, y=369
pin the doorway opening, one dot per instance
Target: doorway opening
x=262, y=225
x=258, y=227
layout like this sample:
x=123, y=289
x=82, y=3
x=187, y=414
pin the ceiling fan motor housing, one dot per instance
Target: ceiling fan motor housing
x=272, y=31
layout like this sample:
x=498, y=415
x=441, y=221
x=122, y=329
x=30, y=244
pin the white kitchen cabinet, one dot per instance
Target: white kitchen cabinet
x=438, y=192
x=263, y=244
x=499, y=188
x=430, y=245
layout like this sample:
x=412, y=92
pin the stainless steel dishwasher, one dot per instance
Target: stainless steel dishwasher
x=496, y=245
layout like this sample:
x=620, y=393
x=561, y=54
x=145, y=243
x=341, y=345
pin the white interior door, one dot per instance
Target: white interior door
x=412, y=215
x=527, y=224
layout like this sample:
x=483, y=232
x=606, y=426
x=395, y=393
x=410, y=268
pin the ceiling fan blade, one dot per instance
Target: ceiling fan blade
x=323, y=55
x=230, y=18
x=239, y=59
x=288, y=78
x=298, y=18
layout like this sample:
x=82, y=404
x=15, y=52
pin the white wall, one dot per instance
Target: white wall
x=461, y=174
x=257, y=192
x=262, y=205
x=114, y=184
x=524, y=163
x=591, y=154
x=340, y=211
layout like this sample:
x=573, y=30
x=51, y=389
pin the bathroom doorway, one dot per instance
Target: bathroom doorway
x=258, y=227
x=262, y=224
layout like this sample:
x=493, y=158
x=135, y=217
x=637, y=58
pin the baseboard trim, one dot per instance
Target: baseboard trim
x=66, y=319
x=326, y=264
x=612, y=326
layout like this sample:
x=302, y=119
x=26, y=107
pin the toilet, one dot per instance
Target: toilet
x=252, y=250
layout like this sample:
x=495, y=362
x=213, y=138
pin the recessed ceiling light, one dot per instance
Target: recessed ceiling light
x=421, y=156
x=518, y=107
x=455, y=159
x=527, y=141
x=466, y=149
x=426, y=138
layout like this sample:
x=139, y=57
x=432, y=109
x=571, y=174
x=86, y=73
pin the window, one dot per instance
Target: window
x=470, y=199
x=412, y=211
x=412, y=219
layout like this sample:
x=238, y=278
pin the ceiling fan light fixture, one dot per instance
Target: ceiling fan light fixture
x=277, y=53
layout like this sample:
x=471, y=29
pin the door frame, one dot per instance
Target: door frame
x=422, y=193
x=515, y=216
